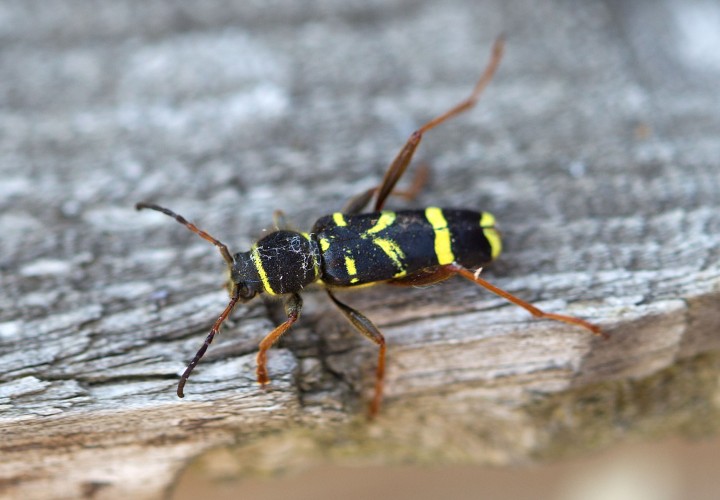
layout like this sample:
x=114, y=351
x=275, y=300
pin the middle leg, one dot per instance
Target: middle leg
x=369, y=330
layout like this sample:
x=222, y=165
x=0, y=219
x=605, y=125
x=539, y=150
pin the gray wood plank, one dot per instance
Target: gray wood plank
x=596, y=147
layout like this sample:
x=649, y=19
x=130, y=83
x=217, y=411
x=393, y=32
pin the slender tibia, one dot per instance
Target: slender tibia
x=357, y=203
x=402, y=160
x=538, y=313
x=293, y=306
x=369, y=330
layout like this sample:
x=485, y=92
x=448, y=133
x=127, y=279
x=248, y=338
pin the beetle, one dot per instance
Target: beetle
x=353, y=248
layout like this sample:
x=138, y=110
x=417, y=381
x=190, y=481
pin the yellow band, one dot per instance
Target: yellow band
x=487, y=222
x=351, y=269
x=386, y=219
x=393, y=251
x=443, y=249
x=339, y=219
x=255, y=255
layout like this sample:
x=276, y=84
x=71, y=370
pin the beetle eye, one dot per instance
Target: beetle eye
x=244, y=291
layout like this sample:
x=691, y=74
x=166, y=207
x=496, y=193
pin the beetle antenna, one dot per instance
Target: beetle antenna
x=192, y=227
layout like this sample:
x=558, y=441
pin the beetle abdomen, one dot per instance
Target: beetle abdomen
x=380, y=246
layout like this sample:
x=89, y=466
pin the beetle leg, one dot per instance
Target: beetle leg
x=357, y=203
x=538, y=313
x=369, y=330
x=280, y=221
x=423, y=278
x=293, y=306
x=402, y=160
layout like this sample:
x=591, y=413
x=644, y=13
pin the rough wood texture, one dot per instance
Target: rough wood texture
x=596, y=147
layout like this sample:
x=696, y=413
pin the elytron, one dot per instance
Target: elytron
x=352, y=248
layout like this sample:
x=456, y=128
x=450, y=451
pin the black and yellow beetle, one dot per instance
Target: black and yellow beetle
x=349, y=249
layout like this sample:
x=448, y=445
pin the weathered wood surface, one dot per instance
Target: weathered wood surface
x=596, y=147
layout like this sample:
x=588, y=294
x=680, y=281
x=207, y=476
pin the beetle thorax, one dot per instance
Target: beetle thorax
x=283, y=262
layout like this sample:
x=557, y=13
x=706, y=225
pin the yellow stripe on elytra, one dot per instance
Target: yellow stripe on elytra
x=443, y=250
x=395, y=253
x=487, y=222
x=351, y=269
x=493, y=237
x=255, y=256
x=386, y=219
x=339, y=219
x=324, y=244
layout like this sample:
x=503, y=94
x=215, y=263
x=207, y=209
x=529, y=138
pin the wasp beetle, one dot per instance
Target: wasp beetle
x=350, y=249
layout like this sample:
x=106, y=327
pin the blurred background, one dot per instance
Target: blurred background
x=667, y=470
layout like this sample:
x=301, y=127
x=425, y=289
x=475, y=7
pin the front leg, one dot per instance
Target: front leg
x=293, y=306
